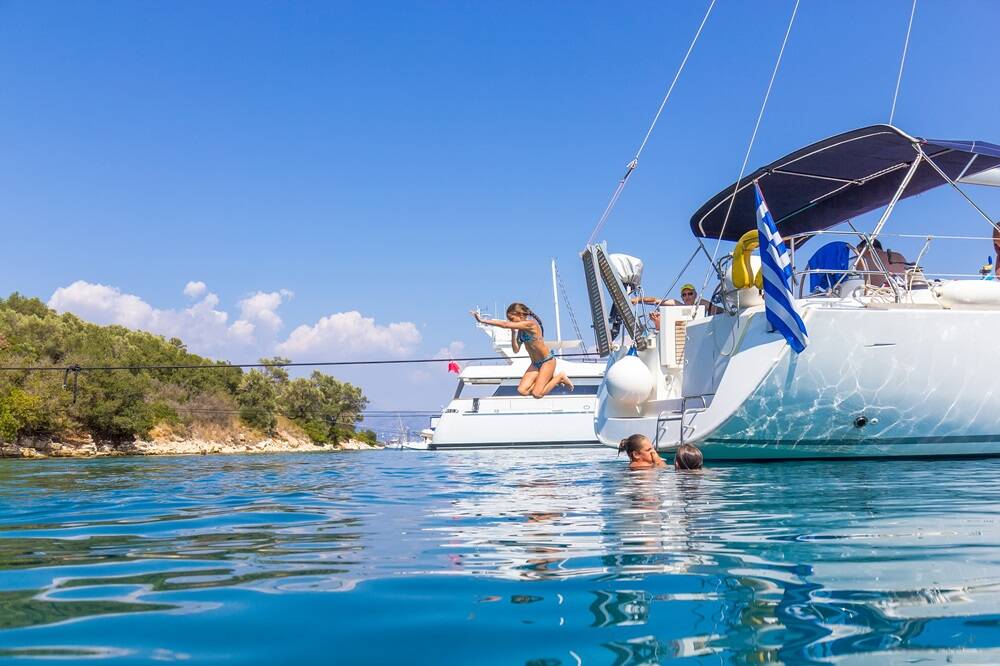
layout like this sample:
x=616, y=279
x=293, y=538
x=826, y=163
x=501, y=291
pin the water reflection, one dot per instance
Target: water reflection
x=526, y=560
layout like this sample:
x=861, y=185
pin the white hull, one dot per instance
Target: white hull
x=501, y=418
x=560, y=421
x=877, y=381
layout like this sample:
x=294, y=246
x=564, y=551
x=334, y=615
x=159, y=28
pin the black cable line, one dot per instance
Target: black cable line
x=227, y=366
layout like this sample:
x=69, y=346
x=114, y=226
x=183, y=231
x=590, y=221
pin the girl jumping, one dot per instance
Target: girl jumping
x=526, y=329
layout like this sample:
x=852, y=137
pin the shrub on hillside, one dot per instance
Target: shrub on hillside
x=257, y=397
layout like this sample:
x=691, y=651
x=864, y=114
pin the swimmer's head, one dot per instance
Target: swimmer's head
x=635, y=446
x=688, y=457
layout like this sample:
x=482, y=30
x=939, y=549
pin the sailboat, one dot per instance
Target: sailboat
x=899, y=361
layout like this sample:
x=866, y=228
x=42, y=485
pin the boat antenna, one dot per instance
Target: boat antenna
x=753, y=137
x=902, y=61
x=555, y=301
x=635, y=160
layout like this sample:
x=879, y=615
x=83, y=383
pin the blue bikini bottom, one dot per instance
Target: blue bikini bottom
x=538, y=364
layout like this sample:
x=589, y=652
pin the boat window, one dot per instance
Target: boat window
x=469, y=391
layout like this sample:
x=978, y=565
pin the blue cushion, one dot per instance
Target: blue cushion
x=835, y=256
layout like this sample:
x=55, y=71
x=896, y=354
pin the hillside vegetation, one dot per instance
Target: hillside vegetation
x=128, y=404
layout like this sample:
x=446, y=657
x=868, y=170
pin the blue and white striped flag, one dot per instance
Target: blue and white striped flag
x=776, y=271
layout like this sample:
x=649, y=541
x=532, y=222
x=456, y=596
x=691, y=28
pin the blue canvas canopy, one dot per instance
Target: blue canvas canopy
x=839, y=178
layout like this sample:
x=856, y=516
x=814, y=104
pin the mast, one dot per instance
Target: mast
x=555, y=300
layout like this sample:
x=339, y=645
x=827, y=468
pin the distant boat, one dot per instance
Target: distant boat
x=899, y=361
x=407, y=442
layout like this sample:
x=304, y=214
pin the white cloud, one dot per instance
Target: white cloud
x=454, y=348
x=350, y=335
x=195, y=289
x=261, y=308
x=242, y=330
x=202, y=326
x=209, y=330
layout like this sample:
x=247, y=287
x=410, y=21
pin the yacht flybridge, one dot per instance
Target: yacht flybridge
x=899, y=362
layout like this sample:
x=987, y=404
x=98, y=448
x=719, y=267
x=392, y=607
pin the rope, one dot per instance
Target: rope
x=902, y=61
x=569, y=309
x=635, y=160
x=753, y=137
x=680, y=274
x=229, y=366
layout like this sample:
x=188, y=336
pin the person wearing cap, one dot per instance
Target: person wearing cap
x=689, y=296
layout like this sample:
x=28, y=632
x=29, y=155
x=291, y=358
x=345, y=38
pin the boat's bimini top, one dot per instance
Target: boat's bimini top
x=841, y=177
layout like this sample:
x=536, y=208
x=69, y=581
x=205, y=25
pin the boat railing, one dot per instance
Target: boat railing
x=913, y=276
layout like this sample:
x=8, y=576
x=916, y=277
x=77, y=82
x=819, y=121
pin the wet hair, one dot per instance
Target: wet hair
x=522, y=309
x=688, y=457
x=632, y=443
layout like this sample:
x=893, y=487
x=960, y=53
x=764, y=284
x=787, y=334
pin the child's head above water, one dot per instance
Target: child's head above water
x=688, y=457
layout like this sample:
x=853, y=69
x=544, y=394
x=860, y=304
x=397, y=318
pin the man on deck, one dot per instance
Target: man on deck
x=689, y=296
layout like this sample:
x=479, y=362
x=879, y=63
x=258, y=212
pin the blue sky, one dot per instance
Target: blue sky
x=410, y=161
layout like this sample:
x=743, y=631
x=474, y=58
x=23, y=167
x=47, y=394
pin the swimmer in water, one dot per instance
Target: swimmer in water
x=688, y=457
x=641, y=453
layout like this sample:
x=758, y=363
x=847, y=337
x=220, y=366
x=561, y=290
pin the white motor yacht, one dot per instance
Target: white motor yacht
x=488, y=412
x=899, y=361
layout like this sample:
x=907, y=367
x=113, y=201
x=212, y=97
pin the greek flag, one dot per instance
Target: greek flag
x=776, y=270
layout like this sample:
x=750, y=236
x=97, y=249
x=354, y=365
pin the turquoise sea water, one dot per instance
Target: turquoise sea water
x=503, y=557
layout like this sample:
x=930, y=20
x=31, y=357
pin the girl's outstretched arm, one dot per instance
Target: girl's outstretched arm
x=500, y=323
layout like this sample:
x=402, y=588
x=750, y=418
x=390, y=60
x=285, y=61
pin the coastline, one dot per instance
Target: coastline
x=241, y=443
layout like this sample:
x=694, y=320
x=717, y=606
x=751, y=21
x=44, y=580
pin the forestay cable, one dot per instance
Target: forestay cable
x=902, y=61
x=635, y=160
x=753, y=137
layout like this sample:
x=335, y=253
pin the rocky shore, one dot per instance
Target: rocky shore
x=172, y=445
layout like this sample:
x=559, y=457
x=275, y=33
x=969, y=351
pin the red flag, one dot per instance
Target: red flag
x=453, y=367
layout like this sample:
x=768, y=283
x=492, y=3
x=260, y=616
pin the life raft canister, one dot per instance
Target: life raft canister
x=743, y=275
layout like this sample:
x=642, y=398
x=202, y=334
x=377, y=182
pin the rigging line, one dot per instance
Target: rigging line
x=902, y=61
x=635, y=160
x=959, y=190
x=753, y=137
x=680, y=274
x=569, y=309
x=231, y=366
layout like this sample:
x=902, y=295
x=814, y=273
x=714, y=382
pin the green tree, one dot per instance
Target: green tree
x=114, y=405
x=341, y=405
x=273, y=367
x=324, y=407
x=19, y=413
x=257, y=398
x=26, y=306
x=301, y=400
